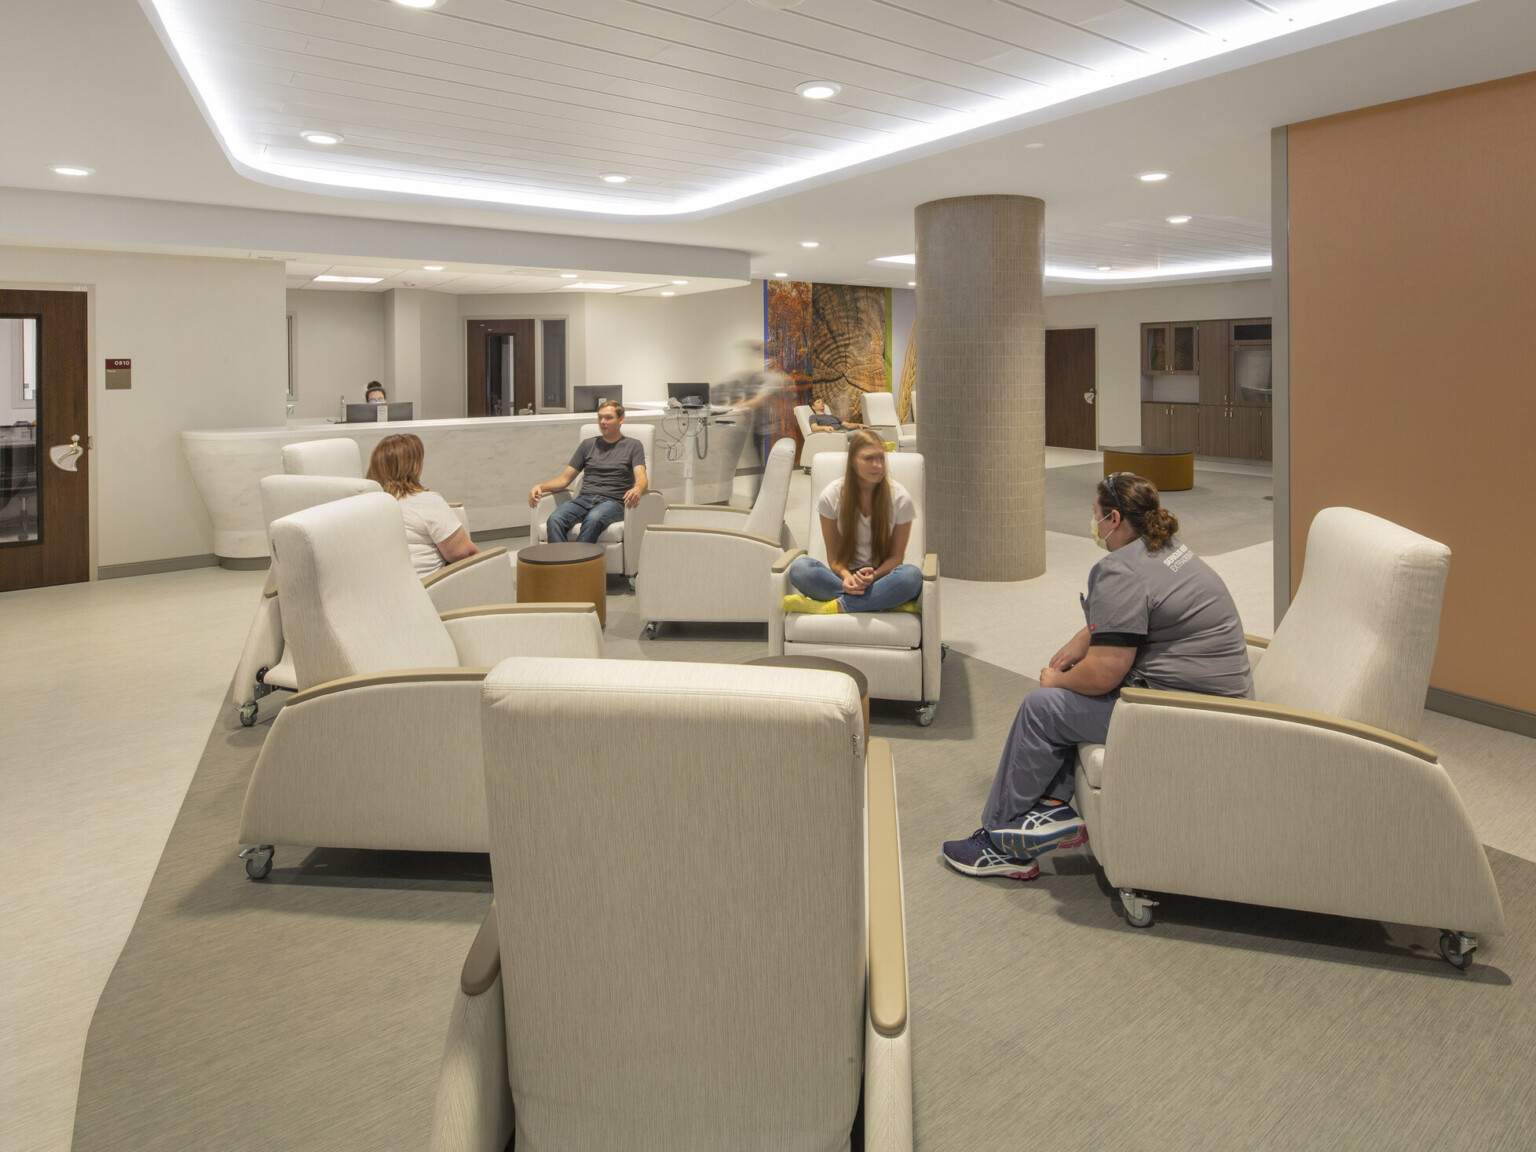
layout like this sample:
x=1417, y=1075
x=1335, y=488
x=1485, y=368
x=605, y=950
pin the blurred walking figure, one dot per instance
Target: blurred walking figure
x=765, y=394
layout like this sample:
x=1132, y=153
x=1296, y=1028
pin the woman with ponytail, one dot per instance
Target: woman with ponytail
x=866, y=521
x=1157, y=617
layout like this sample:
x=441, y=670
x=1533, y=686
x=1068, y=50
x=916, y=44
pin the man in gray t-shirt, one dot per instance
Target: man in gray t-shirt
x=1158, y=617
x=612, y=466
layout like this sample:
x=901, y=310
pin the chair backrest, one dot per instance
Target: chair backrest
x=803, y=419
x=668, y=969
x=352, y=602
x=767, y=518
x=333, y=456
x=880, y=410
x=1359, y=638
x=284, y=495
x=906, y=468
x=645, y=433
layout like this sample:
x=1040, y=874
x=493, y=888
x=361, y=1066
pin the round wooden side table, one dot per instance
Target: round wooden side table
x=1170, y=469
x=822, y=664
x=564, y=573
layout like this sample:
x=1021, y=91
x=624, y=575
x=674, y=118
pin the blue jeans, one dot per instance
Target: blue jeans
x=1040, y=756
x=594, y=513
x=814, y=579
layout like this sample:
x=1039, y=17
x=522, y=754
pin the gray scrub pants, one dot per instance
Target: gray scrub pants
x=1041, y=752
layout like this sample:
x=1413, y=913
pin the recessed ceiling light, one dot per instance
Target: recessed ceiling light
x=909, y=258
x=431, y=267
x=70, y=170
x=614, y=178
x=349, y=279
x=591, y=286
x=911, y=283
x=1179, y=219
x=1152, y=177
x=418, y=3
x=810, y=243
x=679, y=281
x=818, y=89
x=781, y=275
x=669, y=293
x=316, y=137
x=1035, y=144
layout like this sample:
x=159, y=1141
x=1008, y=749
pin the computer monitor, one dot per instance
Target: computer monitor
x=586, y=397
x=369, y=413
x=689, y=395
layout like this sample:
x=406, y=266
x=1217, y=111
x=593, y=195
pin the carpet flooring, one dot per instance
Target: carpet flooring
x=309, y=1011
x=1223, y=512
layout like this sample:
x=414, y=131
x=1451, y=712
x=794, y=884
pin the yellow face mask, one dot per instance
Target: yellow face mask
x=1093, y=530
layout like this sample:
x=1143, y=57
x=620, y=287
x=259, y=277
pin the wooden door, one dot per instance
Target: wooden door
x=1071, y=373
x=485, y=348
x=1184, y=427
x=1156, y=426
x=1215, y=365
x=45, y=514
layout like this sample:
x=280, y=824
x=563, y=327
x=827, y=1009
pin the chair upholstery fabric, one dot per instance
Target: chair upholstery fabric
x=333, y=456
x=623, y=538
x=1274, y=810
x=815, y=443
x=712, y=565
x=880, y=414
x=664, y=988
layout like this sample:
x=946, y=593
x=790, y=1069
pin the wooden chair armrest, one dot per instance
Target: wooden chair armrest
x=515, y=610
x=669, y=528
x=1257, y=709
x=399, y=676
x=1256, y=641
x=931, y=566
x=459, y=565
x=887, y=932
x=788, y=557
x=483, y=964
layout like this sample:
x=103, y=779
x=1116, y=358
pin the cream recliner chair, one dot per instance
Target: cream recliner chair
x=338, y=456
x=707, y=562
x=900, y=652
x=880, y=414
x=662, y=987
x=380, y=748
x=1315, y=796
x=815, y=443
x=622, y=538
x=265, y=667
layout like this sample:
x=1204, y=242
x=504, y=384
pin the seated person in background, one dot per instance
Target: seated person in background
x=432, y=531
x=375, y=393
x=824, y=421
x=1158, y=617
x=614, y=466
x=866, y=521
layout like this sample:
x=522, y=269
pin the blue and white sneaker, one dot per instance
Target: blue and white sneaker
x=978, y=856
x=1046, y=826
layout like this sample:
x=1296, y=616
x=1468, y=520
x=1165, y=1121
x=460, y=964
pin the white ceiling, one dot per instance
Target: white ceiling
x=88, y=82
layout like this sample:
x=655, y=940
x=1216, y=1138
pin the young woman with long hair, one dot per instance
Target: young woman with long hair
x=432, y=530
x=866, y=521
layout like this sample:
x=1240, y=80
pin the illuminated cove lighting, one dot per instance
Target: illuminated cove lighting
x=198, y=62
x=1159, y=272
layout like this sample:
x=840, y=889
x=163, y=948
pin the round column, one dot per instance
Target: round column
x=980, y=338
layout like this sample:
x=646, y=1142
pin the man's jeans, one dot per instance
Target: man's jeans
x=593, y=513
x=814, y=579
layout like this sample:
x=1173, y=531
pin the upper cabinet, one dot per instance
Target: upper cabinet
x=1169, y=348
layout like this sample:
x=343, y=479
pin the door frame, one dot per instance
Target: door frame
x=1098, y=395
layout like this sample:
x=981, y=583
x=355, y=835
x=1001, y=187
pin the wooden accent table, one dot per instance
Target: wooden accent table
x=1171, y=469
x=562, y=574
x=822, y=664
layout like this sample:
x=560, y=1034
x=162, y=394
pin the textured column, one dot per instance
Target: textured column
x=981, y=383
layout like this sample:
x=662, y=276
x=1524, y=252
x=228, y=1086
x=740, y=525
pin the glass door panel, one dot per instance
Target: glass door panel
x=20, y=476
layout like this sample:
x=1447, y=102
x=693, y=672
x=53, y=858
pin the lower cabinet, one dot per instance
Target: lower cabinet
x=1238, y=431
x=1170, y=426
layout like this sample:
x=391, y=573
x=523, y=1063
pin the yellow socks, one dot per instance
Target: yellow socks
x=806, y=604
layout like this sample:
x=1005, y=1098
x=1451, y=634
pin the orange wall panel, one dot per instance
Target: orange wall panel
x=1412, y=248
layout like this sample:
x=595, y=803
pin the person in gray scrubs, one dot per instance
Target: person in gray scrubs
x=1157, y=617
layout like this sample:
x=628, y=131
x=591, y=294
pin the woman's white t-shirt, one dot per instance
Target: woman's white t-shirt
x=428, y=522
x=903, y=511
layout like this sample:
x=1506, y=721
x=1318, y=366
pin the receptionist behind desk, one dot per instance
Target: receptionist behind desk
x=375, y=393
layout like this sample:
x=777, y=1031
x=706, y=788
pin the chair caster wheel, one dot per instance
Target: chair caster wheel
x=1457, y=948
x=1137, y=908
x=652, y=629
x=925, y=714
x=248, y=714
x=258, y=861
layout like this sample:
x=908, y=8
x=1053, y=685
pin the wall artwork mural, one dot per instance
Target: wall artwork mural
x=787, y=329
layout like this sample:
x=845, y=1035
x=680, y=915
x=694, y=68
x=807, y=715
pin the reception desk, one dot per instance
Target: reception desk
x=488, y=464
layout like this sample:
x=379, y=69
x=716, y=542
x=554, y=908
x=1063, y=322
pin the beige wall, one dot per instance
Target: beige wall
x=209, y=350
x=1119, y=315
x=644, y=343
x=338, y=347
x=1412, y=291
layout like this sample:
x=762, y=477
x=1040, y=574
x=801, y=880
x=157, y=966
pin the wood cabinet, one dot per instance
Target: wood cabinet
x=1235, y=430
x=1266, y=434
x=1170, y=426
x=1215, y=368
x=1170, y=347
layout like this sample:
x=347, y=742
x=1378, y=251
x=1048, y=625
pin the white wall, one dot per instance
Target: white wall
x=643, y=343
x=338, y=347
x=1119, y=315
x=209, y=350
x=569, y=306
x=443, y=385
